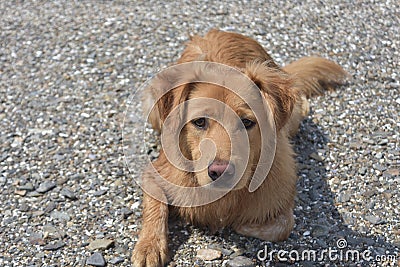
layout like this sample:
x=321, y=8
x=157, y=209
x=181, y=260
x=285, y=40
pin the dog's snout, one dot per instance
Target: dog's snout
x=217, y=168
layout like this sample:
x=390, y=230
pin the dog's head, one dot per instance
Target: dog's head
x=219, y=132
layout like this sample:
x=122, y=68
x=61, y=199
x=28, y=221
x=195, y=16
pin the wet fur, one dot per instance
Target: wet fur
x=266, y=213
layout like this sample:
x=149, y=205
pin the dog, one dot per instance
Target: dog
x=266, y=211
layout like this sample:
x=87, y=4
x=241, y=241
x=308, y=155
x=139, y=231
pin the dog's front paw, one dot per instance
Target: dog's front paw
x=151, y=252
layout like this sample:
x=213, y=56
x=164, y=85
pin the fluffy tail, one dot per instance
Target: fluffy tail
x=314, y=75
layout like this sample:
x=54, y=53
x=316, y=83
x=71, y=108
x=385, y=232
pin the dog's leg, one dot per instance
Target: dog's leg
x=277, y=229
x=152, y=246
x=300, y=111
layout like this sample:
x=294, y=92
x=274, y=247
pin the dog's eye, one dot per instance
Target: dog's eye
x=200, y=123
x=248, y=123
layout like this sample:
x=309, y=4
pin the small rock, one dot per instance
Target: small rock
x=208, y=254
x=37, y=213
x=383, y=142
x=46, y=186
x=373, y=219
x=116, y=260
x=3, y=180
x=60, y=215
x=28, y=187
x=393, y=172
x=20, y=192
x=362, y=171
x=344, y=197
x=240, y=261
x=118, y=182
x=348, y=218
x=24, y=207
x=368, y=141
x=34, y=194
x=316, y=157
x=320, y=230
x=62, y=180
x=96, y=260
x=100, y=244
x=99, y=193
x=370, y=193
x=379, y=167
x=226, y=252
x=51, y=231
x=135, y=205
x=237, y=253
x=36, y=239
x=68, y=193
x=126, y=213
x=388, y=195
x=54, y=246
x=50, y=207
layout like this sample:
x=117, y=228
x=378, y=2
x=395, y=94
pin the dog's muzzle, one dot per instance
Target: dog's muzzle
x=220, y=168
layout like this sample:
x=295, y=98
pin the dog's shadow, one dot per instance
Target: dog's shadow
x=319, y=229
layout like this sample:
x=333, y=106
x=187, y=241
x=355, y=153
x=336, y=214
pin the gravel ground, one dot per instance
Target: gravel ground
x=67, y=69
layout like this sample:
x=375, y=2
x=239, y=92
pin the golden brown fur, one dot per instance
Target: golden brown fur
x=266, y=213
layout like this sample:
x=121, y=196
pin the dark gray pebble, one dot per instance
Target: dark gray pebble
x=46, y=186
x=68, y=193
x=96, y=260
x=54, y=246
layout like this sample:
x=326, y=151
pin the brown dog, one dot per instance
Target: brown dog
x=266, y=212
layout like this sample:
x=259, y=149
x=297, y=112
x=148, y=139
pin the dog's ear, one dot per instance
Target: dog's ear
x=165, y=104
x=277, y=89
x=172, y=99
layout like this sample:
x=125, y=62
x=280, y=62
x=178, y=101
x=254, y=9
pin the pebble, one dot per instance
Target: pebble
x=208, y=254
x=20, y=192
x=316, y=157
x=319, y=230
x=36, y=239
x=373, y=219
x=393, y=172
x=240, y=261
x=370, y=193
x=46, y=186
x=96, y=259
x=100, y=244
x=344, y=196
x=383, y=142
x=62, y=216
x=51, y=231
x=116, y=260
x=379, y=167
x=50, y=207
x=362, y=171
x=62, y=180
x=28, y=186
x=24, y=207
x=34, y=194
x=126, y=212
x=68, y=193
x=100, y=192
x=54, y=246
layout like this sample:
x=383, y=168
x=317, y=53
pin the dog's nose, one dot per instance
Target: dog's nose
x=217, y=168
